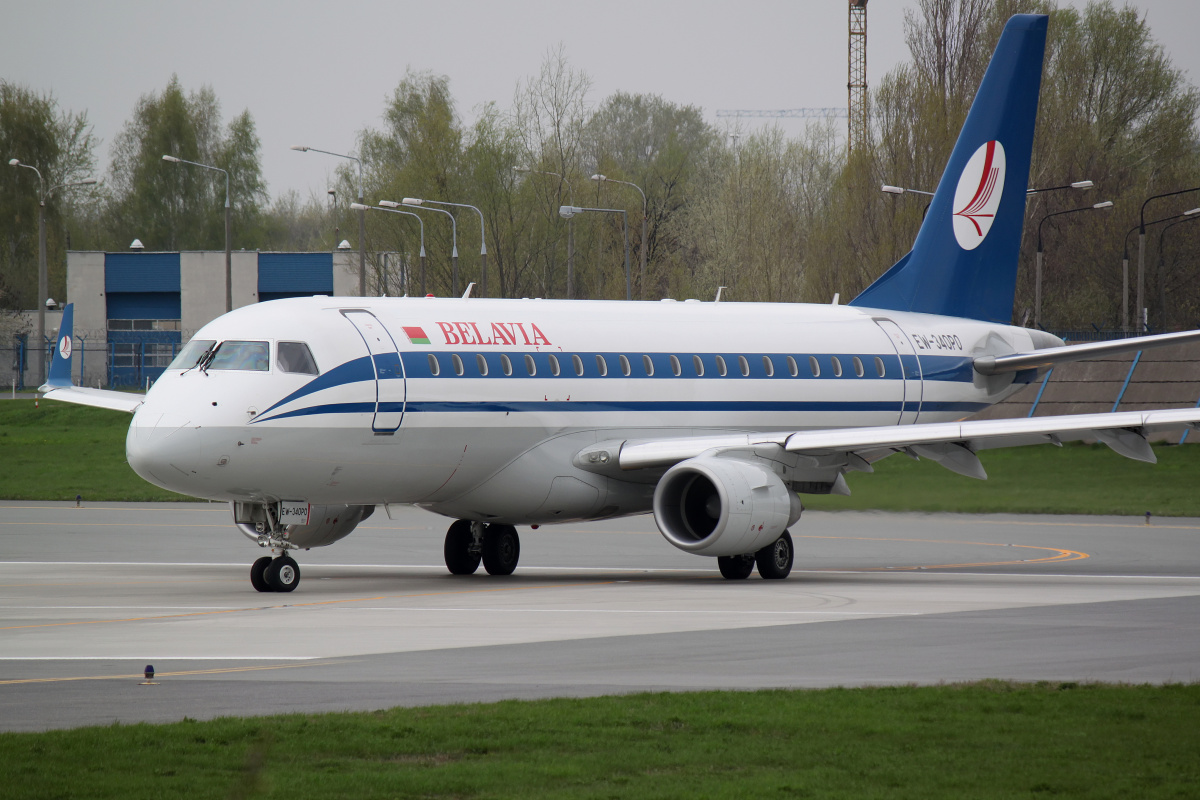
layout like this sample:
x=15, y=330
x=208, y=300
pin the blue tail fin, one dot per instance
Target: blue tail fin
x=964, y=261
x=60, y=365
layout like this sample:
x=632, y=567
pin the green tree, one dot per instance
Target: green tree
x=60, y=144
x=177, y=206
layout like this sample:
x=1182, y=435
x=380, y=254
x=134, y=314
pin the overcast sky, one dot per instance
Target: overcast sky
x=318, y=73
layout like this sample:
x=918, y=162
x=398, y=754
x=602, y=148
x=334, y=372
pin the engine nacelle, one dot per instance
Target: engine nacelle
x=328, y=523
x=723, y=506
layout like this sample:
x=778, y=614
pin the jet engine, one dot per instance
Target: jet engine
x=723, y=506
x=328, y=523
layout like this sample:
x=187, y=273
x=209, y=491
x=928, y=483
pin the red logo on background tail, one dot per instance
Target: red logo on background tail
x=978, y=195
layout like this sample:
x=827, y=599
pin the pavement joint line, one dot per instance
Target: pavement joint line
x=160, y=675
x=277, y=606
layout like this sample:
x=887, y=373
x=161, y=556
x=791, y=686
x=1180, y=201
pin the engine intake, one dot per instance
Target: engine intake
x=723, y=506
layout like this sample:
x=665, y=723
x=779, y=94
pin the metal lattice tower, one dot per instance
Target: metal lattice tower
x=856, y=84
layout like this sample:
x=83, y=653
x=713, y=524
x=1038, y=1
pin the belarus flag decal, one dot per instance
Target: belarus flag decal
x=416, y=335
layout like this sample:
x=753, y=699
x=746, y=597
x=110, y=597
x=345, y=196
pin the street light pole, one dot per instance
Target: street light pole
x=570, y=229
x=363, y=208
x=362, y=216
x=1142, y=245
x=566, y=212
x=453, y=242
x=417, y=201
x=642, y=279
x=43, y=269
x=1037, y=307
x=228, y=237
x=1125, y=261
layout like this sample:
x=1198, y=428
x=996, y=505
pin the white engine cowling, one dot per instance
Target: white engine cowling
x=723, y=506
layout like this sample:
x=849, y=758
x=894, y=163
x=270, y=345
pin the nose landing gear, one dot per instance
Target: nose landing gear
x=280, y=574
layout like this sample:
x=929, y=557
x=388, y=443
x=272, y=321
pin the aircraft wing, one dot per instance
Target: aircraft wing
x=100, y=398
x=951, y=444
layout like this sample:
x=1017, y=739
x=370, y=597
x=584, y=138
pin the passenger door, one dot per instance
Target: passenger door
x=390, y=390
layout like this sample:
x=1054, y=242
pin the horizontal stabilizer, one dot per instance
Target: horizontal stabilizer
x=1040, y=359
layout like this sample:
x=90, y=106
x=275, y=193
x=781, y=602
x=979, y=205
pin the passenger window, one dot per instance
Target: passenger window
x=858, y=367
x=530, y=366
x=505, y=365
x=744, y=366
x=554, y=368
x=602, y=366
x=481, y=362
x=880, y=369
x=435, y=368
x=577, y=362
x=721, y=368
x=625, y=368
x=769, y=366
x=251, y=356
x=191, y=353
x=814, y=367
x=793, y=368
x=837, y=366
x=676, y=367
x=648, y=365
x=458, y=365
x=698, y=365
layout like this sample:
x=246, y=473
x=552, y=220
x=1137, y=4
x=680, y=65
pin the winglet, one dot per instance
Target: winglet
x=60, y=364
x=964, y=260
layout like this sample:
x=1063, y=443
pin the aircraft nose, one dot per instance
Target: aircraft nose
x=163, y=448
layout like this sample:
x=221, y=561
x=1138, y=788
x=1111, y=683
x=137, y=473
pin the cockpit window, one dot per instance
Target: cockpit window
x=191, y=353
x=295, y=357
x=241, y=355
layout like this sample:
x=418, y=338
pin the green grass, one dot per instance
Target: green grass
x=54, y=451
x=1041, y=479
x=984, y=740
x=57, y=451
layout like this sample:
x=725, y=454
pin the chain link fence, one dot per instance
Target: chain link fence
x=95, y=362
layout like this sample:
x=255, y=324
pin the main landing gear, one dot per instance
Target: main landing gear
x=468, y=543
x=774, y=561
x=280, y=574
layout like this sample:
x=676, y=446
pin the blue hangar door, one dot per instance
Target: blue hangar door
x=389, y=371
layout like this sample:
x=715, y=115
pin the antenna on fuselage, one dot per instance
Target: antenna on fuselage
x=719, y=290
x=467, y=293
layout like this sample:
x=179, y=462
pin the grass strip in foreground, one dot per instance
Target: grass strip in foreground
x=982, y=740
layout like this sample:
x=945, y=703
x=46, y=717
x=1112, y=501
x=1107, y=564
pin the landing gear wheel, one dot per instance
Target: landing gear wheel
x=735, y=568
x=283, y=574
x=457, y=550
x=501, y=549
x=775, y=560
x=258, y=575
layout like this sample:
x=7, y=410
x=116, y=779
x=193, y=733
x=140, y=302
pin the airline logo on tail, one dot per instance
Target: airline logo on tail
x=64, y=347
x=978, y=195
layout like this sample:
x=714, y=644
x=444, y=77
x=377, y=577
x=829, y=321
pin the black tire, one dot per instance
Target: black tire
x=258, y=575
x=457, y=550
x=735, y=568
x=283, y=574
x=501, y=549
x=775, y=560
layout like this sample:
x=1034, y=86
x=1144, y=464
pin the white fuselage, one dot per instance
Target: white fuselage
x=460, y=425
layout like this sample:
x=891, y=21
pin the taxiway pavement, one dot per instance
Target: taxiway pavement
x=90, y=596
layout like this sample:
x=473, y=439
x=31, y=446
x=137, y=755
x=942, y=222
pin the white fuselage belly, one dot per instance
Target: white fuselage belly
x=387, y=429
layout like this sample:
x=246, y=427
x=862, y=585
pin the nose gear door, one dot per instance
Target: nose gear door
x=910, y=371
x=390, y=390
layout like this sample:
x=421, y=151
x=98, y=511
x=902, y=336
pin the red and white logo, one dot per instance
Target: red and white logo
x=64, y=347
x=978, y=195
